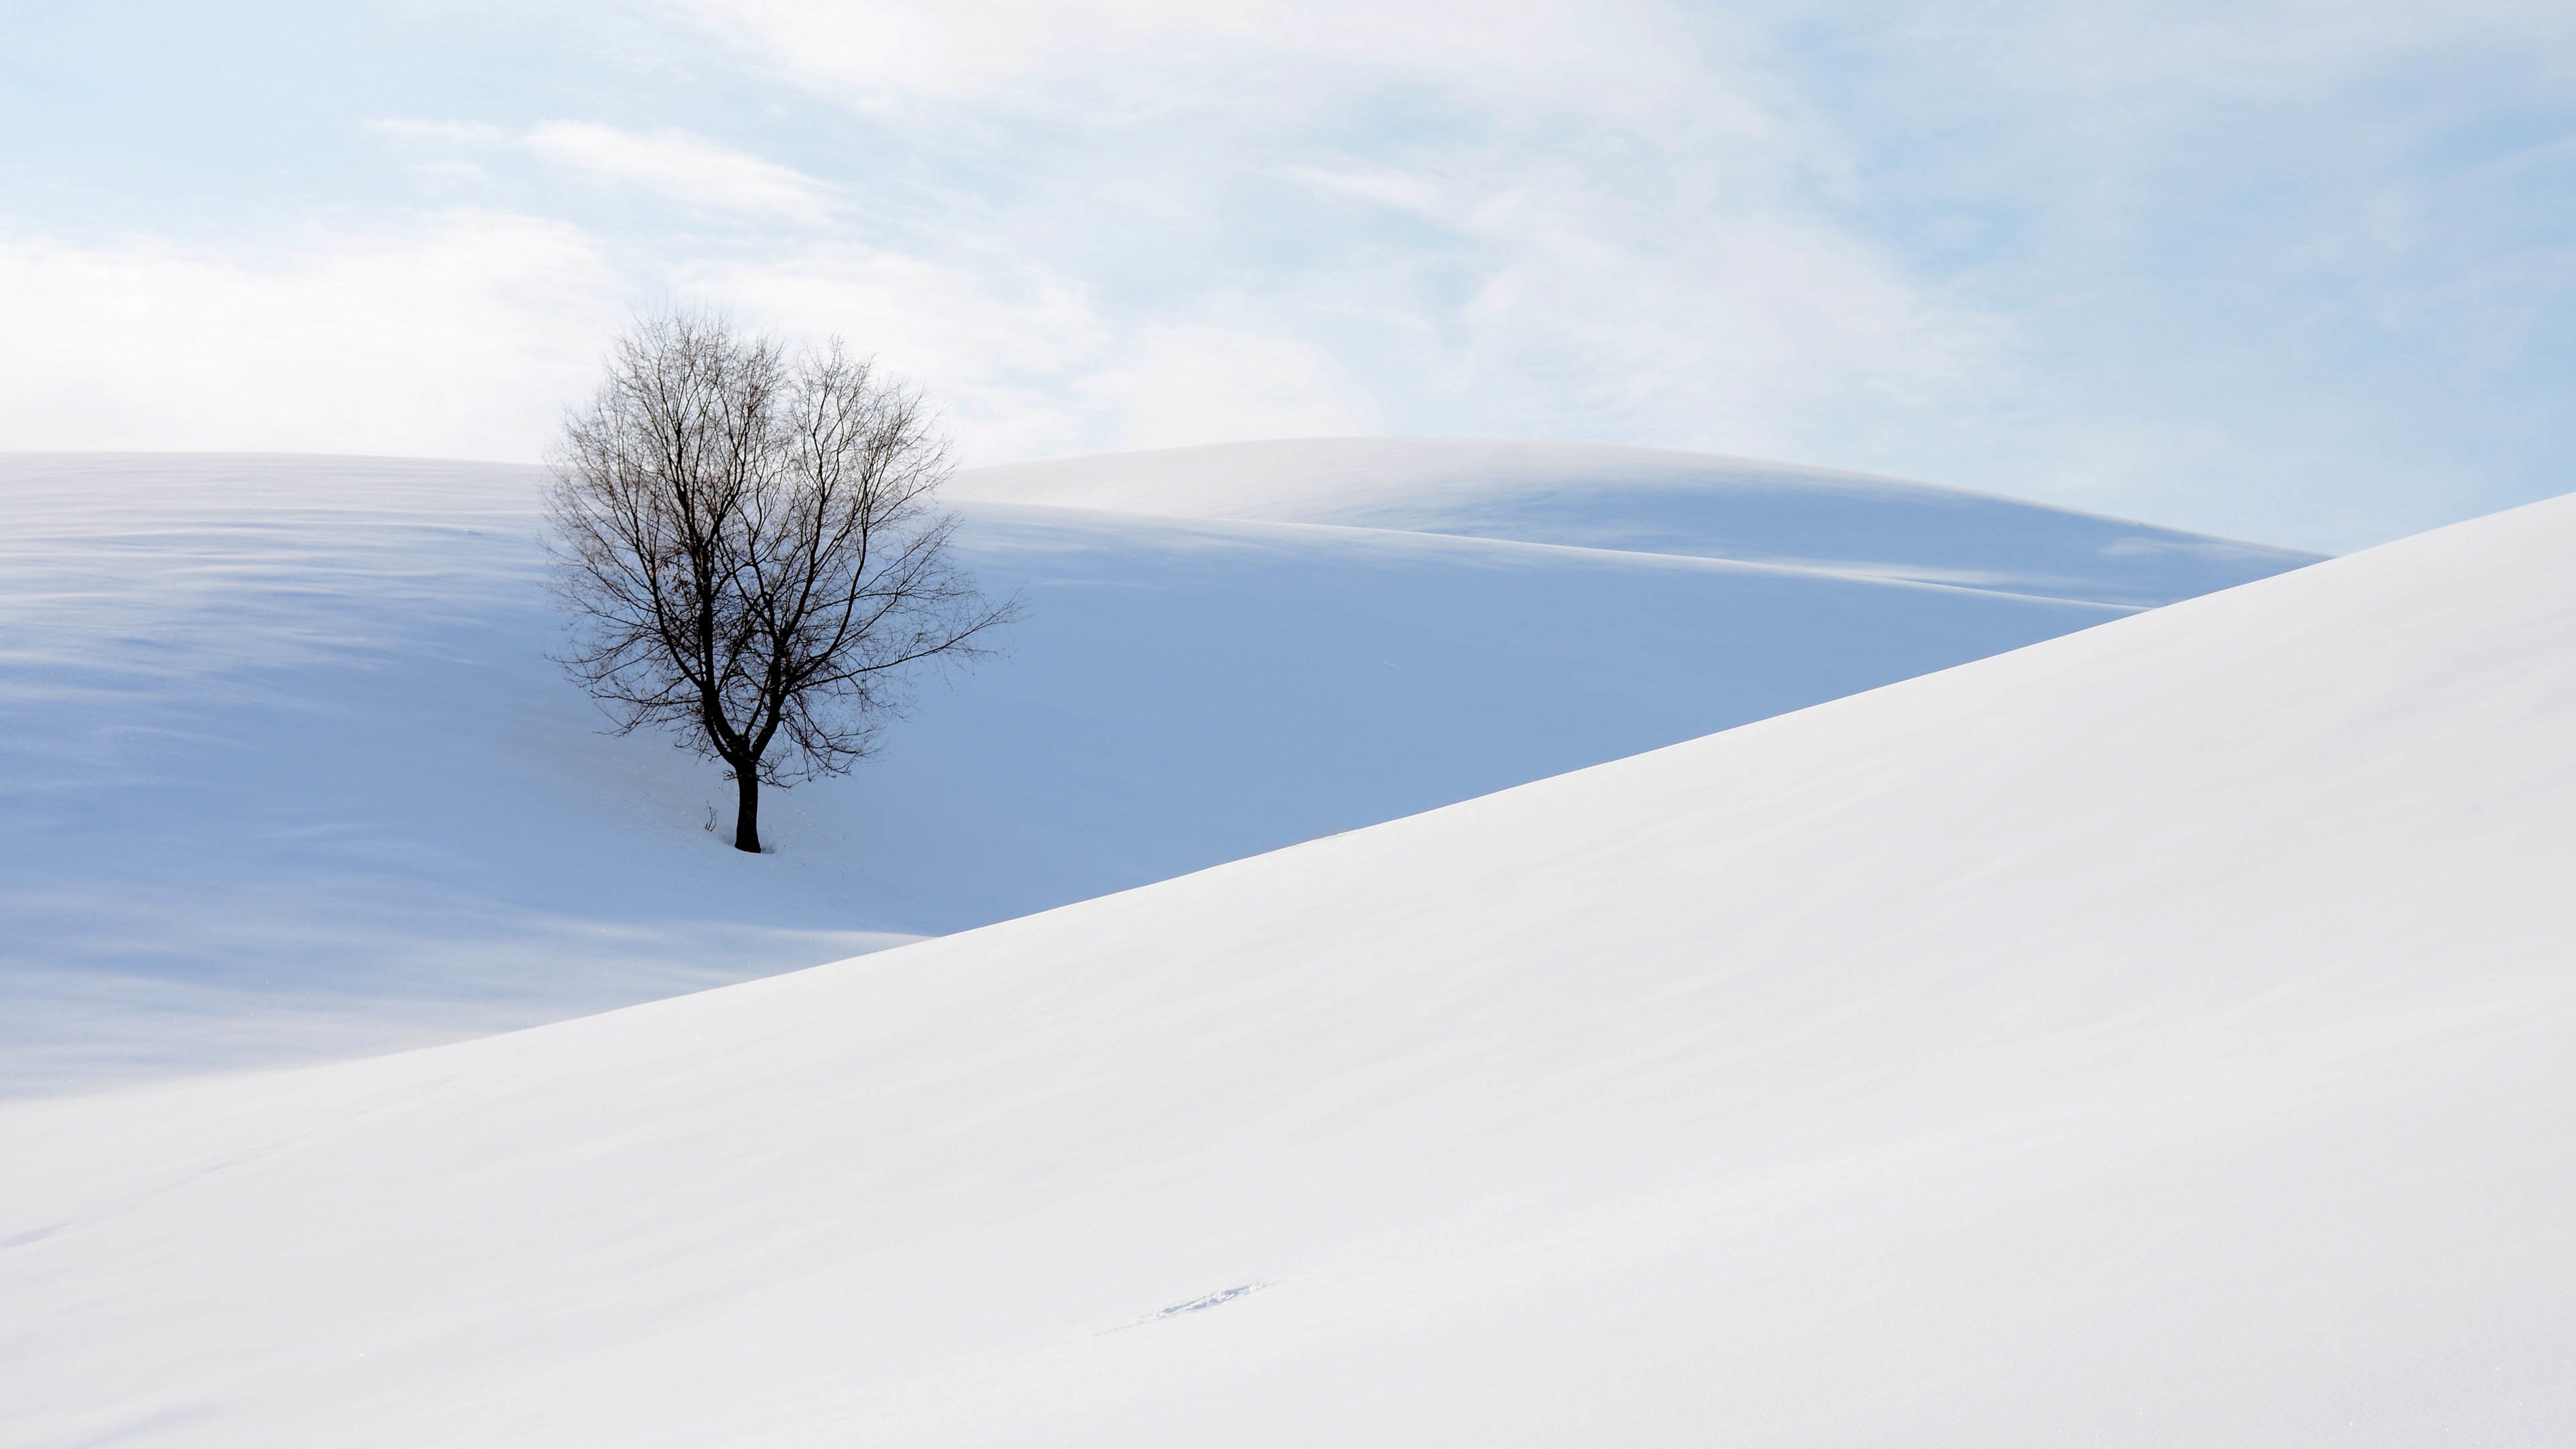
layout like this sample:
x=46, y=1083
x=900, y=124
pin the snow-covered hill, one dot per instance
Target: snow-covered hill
x=2159, y=1035
x=1652, y=500
x=289, y=774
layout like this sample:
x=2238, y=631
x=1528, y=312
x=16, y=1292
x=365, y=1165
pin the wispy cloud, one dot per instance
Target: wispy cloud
x=684, y=169
x=463, y=337
x=670, y=165
x=1596, y=220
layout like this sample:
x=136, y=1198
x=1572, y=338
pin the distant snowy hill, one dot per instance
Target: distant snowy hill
x=1652, y=500
x=2162, y=1035
x=289, y=773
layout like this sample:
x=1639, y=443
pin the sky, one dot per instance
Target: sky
x=2297, y=272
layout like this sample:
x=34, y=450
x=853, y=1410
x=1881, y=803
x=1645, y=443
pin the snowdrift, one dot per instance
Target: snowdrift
x=290, y=774
x=2158, y=1035
x=1652, y=500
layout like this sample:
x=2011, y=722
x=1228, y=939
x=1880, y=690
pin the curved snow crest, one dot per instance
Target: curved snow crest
x=291, y=776
x=2162, y=1034
x=1653, y=500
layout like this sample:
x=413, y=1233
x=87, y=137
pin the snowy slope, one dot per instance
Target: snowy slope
x=290, y=774
x=2162, y=1035
x=1653, y=500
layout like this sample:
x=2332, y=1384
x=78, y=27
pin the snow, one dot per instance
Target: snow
x=2156, y=1035
x=291, y=777
x=1652, y=500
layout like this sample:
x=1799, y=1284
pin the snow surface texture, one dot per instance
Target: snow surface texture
x=2162, y=1035
x=290, y=775
x=1652, y=500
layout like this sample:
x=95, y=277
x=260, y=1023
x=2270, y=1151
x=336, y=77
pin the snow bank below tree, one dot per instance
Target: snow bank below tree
x=289, y=774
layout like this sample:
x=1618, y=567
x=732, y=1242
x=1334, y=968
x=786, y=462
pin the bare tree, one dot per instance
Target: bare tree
x=751, y=549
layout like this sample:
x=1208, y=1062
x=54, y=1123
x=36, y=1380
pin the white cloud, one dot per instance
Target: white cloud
x=673, y=165
x=411, y=132
x=1606, y=235
x=1760, y=330
x=685, y=169
x=1026, y=364
x=1610, y=218
x=2173, y=56
x=1153, y=55
x=463, y=338
x=1175, y=385
x=993, y=341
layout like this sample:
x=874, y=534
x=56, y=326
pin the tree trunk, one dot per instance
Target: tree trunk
x=746, y=810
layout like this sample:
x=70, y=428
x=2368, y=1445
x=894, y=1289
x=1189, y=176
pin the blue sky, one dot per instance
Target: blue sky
x=2298, y=272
